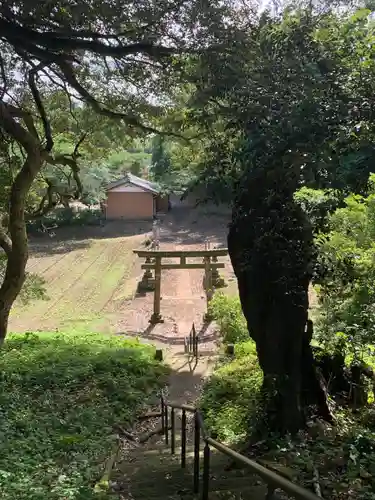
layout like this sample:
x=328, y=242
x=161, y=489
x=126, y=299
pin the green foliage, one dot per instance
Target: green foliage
x=313, y=120
x=226, y=311
x=231, y=396
x=346, y=288
x=343, y=455
x=60, y=397
x=160, y=160
x=67, y=217
x=317, y=204
x=122, y=161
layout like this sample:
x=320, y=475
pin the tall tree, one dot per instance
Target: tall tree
x=116, y=57
x=290, y=107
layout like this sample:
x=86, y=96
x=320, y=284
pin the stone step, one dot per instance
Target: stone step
x=254, y=493
x=171, y=485
x=159, y=477
x=160, y=458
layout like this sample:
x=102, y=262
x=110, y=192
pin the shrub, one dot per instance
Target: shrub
x=318, y=204
x=227, y=313
x=67, y=217
x=346, y=288
x=230, y=397
x=60, y=397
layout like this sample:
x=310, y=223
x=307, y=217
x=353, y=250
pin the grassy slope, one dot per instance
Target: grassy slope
x=59, y=398
x=83, y=286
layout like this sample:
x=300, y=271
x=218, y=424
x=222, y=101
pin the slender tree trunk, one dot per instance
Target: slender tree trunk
x=270, y=247
x=17, y=254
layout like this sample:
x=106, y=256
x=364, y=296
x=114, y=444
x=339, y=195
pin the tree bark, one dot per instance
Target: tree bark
x=17, y=251
x=270, y=246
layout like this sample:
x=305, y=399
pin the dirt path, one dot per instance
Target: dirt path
x=183, y=302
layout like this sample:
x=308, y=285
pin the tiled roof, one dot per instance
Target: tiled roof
x=136, y=181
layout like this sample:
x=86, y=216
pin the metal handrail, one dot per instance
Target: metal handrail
x=273, y=480
x=191, y=343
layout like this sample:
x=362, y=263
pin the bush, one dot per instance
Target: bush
x=227, y=313
x=231, y=396
x=318, y=204
x=346, y=288
x=67, y=217
x=60, y=397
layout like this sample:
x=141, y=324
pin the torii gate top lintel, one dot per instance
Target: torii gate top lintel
x=217, y=252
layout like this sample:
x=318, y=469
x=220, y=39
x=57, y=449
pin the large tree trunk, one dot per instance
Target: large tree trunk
x=270, y=247
x=17, y=250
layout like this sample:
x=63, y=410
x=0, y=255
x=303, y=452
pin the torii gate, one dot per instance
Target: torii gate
x=153, y=261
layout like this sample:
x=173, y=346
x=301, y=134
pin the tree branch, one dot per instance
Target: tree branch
x=40, y=107
x=77, y=146
x=71, y=162
x=74, y=83
x=54, y=43
x=4, y=78
x=129, y=120
x=27, y=138
x=43, y=208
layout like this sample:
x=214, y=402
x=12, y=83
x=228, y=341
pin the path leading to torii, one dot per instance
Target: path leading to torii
x=183, y=297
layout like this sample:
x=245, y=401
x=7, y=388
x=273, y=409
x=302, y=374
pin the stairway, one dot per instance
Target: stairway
x=151, y=472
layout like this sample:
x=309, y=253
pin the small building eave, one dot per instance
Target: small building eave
x=133, y=180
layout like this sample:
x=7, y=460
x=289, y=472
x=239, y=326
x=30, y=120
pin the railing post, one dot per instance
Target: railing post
x=166, y=425
x=173, y=430
x=196, y=453
x=162, y=415
x=183, y=439
x=206, y=471
x=194, y=340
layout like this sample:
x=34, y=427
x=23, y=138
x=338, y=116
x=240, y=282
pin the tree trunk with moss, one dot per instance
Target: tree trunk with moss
x=270, y=245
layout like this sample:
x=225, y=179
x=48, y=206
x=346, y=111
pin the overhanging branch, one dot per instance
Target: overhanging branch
x=40, y=44
x=71, y=79
x=28, y=138
x=74, y=83
x=40, y=107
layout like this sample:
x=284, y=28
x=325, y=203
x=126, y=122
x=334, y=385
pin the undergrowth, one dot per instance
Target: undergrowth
x=340, y=457
x=230, y=396
x=227, y=313
x=60, y=396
